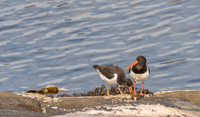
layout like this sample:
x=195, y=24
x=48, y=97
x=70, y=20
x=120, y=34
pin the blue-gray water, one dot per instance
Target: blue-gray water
x=51, y=43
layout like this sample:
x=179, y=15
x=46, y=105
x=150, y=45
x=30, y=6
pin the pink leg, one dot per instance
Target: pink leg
x=134, y=88
x=142, y=89
x=120, y=91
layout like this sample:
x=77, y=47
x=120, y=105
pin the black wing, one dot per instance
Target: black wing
x=149, y=69
x=107, y=71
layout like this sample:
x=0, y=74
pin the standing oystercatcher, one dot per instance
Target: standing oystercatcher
x=113, y=74
x=139, y=71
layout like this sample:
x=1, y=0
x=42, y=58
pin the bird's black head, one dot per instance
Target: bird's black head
x=141, y=60
x=129, y=82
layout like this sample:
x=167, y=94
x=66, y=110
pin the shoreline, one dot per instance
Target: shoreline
x=164, y=103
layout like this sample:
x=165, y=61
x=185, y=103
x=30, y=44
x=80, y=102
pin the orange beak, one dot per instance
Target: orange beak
x=136, y=62
x=130, y=89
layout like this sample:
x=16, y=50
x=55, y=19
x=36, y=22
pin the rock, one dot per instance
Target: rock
x=71, y=104
x=15, y=105
x=173, y=103
x=190, y=95
x=152, y=106
x=16, y=102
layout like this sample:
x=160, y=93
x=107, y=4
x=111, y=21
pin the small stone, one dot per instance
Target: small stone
x=54, y=107
x=147, y=95
x=135, y=98
x=44, y=111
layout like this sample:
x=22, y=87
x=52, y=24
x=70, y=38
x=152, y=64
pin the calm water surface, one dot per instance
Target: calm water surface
x=56, y=42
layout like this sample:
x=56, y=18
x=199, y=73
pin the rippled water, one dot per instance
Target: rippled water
x=57, y=42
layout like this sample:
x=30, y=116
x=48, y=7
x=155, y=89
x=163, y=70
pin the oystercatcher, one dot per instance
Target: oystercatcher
x=139, y=71
x=113, y=74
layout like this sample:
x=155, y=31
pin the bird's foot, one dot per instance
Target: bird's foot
x=141, y=93
x=133, y=93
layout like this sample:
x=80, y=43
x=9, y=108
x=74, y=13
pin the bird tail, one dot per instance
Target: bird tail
x=95, y=66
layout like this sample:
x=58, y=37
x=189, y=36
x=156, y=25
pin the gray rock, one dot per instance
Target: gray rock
x=14, y=102
x=12, y=105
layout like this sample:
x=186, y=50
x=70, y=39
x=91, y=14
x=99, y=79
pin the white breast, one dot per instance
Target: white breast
x=109, y=81
x=139, y=77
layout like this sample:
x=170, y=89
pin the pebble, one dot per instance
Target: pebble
x=147, y=95
x=54, y=107
x=44, y=110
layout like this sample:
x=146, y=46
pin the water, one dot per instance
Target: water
x=57, y=42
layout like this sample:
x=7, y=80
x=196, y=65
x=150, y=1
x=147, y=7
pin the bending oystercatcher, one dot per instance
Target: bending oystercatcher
x=139, y=71
x=113, y=74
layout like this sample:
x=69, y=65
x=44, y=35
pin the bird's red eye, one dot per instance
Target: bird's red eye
x=139, y=58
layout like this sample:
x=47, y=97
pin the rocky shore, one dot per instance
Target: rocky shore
x=162, y=104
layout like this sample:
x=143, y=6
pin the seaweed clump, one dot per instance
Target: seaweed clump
x=99, y=91
x=102, y=91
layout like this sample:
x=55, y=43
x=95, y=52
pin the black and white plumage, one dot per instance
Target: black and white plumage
x=139, y=71
x=113, y=74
